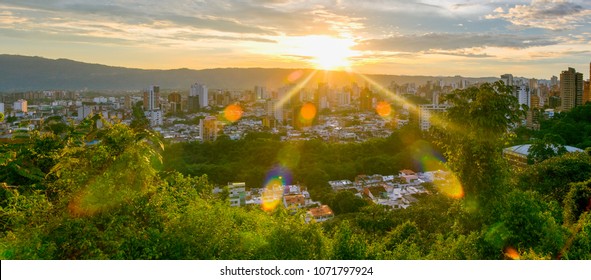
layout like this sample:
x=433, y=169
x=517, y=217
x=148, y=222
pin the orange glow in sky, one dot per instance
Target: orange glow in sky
x=429, y=37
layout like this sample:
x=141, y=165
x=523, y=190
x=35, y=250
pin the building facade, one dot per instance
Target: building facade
x=198, y=96
x=152, y=98
x=571, y=89
x=20, y=106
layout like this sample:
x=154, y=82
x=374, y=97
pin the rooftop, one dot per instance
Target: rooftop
x=524, y=149
x=321, y=211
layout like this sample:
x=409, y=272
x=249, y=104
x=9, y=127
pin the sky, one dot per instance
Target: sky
x=535, y=39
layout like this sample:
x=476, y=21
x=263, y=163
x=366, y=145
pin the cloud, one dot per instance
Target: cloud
x=112, y=24
x=546, y=14
x=462, y=53
x=557, y=54
x=453, y=41
x=253, y=18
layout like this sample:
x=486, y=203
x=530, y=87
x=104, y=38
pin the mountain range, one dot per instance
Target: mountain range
x=30, y=73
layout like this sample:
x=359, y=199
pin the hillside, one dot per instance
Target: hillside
x=23, y=73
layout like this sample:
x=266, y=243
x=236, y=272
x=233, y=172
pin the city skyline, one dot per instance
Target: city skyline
x=535, y=39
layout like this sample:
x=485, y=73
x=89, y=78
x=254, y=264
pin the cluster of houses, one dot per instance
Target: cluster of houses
x=395, y=191
x=291, y=196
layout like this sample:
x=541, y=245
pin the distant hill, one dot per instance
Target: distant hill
x=25, y=73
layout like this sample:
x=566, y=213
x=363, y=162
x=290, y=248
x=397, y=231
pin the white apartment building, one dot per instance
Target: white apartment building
x=202, y=92
x=20, y=106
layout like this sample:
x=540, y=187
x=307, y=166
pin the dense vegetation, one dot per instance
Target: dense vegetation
x=571, y=128
x=311, y=163
x=104, y=193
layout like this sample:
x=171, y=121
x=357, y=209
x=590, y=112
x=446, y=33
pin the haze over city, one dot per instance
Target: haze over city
x=469, y=38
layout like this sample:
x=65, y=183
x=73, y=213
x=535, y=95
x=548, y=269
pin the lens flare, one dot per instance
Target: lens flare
x=450, y=185
x=275, y=183
x=383, y=109
x=426, y=158
x=294, y=76
x=233, y=112
x=511, y=253
x=308, y=112
x=272, y=194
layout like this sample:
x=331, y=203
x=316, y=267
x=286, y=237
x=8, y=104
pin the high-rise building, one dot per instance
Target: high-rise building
x=355, y=91
x=127, y=102
x=84, y=111
x=152, y=98
x=344, y=98
x=321, y=97
x=155, y=117
x=20, y=106
x=200, y=91
x=571, y=89
x=464, y=84
x=507, y=79
x=534, y=101
x=427, y=112
x=586, y=91
x=365, y=99
x=260, y=92
x=275, y=110
x=209, y=128
x=175, y=101
x=587, y=88
x=553, y=81
x=523, y=95
x=174, y=97
x=533, y=86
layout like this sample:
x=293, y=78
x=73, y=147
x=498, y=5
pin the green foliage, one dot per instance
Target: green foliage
x=551, y=177
x=459, y=247
x=345, y=202
x=11, y=119
x=527, y=222
x=550, y=146
x=348, y=245
x=92, y=193
x=573, y=126
x=579, y=244
x=139, y=120
x=27, y=162
x=312, y=163
x=473, y=133
x=577, y=201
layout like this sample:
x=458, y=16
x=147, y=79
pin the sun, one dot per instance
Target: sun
x=323, y=52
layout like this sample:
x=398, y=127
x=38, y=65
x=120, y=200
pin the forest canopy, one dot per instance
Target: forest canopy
x=116, y=192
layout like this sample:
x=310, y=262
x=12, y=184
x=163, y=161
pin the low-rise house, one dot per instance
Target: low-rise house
x=237, y=195
x=319, y=214
x=294, y=201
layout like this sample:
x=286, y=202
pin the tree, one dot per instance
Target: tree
x=472, y=134
x=577, y=201
x=139, y=120
x=11, y=119
x=531, y=223
x=551, y=178
x=346, y=202
x=347, y=244
x=550, y=146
